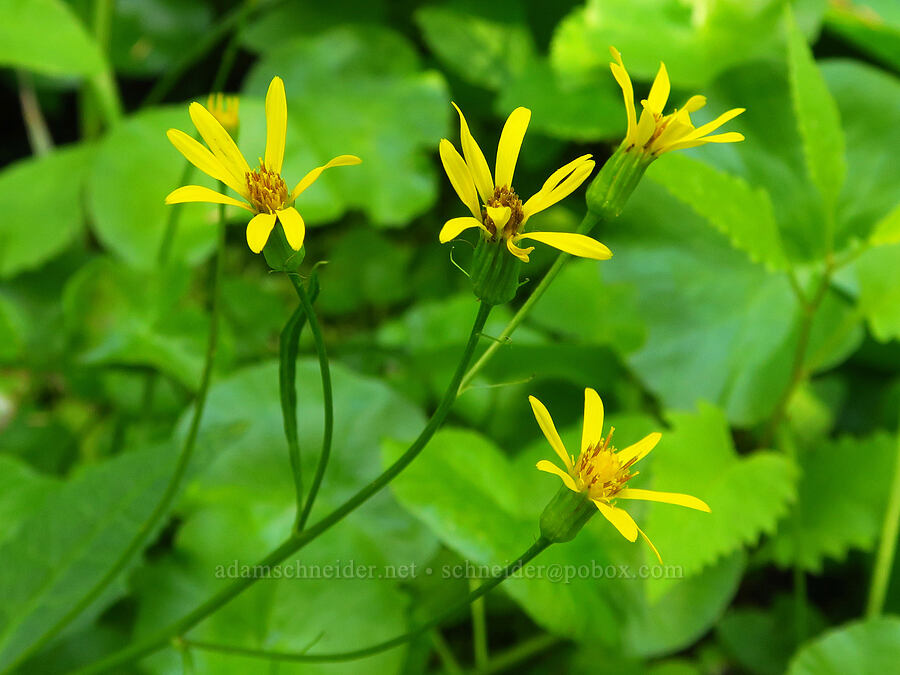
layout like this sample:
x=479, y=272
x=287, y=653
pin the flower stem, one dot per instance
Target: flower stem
x=328, y=395
x=479, y=629
x=475, y=595
x=184, y=458
x=297, y=540
x=287, y=374
x=587, y=224
x=884, y=559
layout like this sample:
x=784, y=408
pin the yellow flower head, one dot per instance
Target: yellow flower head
x=500, y=213
x=656, y=133
x=601, y=472
x=264, y=190
x=225, y=110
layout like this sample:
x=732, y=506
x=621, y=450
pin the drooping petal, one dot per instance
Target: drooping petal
x=639, y=450
x=460, y=176
x=198, y=155
x=218, y=140
x=294, y=227
x=622, y=77
x=571, y=243
x=650, y=544
x=623, y=522
x=664, y=498
x=659, y=92
x=312, y=176
x=521, y=253
x=510, y=143
x=545, y=422
x=478, y=165
x=592, y=428
x=276, y=125
x=499, y=215
x=550, y=467
x=548, y=197
x=197, y=193
x=454, y=226
x=258, y=230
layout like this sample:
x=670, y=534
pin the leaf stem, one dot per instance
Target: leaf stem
x=287, y=373
x=479, y=629
x=887, y=547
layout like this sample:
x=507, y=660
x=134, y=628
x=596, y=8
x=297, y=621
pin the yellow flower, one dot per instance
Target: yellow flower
x=263, y=188
x=656, y=133
x=225, y=110
x=503, y=215
x=601, y=472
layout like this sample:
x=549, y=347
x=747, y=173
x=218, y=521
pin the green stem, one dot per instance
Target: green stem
x=789, y=447
x=325, y=370
x=39, y=137
x=355, y=654
x=100, y=93
x=444, y=653
x=887, y=547
x=184, y=458
x=287, y=373
x=297, y=540
x=587, y=224
x=479, y=629
x=521, y=652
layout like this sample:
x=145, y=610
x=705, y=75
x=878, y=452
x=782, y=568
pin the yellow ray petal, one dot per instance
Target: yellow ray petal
x=639, y=450
x=198, y=155
x=621, y=75
x=729, y=137
x=258, y=230
x=293, y=226
x=521, y=253
x=545, y=422
x=592, y=428
x=312, y=176
x=659, y=92
x=454, y=226
x=715, y=124
x=664, y=498
x=478, y=165
x=460, y=176
x=276, y=125
x=218, y=140
x=499, y=215
x=197, y=193
x=510, y=143
x=620, y=519
x=571, y=243
x=694, y=103
x=548, y=197
x=650, y=543
x=550, y=467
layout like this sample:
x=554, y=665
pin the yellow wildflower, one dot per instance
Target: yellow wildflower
x=655, y=133
x=263, y=188
x=503, y=215
x=225, y=110
x=601, y=472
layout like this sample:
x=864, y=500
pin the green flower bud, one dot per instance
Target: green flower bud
x=495, y=272
x=610, y=190
x=565, y=515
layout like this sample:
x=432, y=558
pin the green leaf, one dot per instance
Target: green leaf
x=47, y=37
x=22, y=492
x=41, y=199
x=387, y=110
x=859, y=647
x=887, y=230
x=135, y=168
x=818, y=118
x=840, y=507
x=486, y=44
x=728, y=203
x=878, y=275
x=871, y=25
x=11, y=337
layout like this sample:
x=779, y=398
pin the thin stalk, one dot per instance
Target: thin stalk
x=479, y=629
x=287, y=372
x=297, y=540
x=789, y=447
x=102, y=105
x=39, y=137
x=355, y=654
x=521, y=652
x=887, y=547
x=587, y=224
x=444, y=653
x=184, y=458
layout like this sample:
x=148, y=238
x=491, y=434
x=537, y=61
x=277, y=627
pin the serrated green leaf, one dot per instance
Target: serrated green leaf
x=818, y=119
x=728, y=203
x=857, y=648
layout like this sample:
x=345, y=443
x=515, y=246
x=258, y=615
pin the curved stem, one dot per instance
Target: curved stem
x=887, y=547
x=587, y=224
x=475, y=595
x=184, y=458
x=325, y=370
x=287, y=375
x=297, y=540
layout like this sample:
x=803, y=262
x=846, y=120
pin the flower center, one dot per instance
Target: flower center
x=505, y=196
x=268, y=191
x=600, y=472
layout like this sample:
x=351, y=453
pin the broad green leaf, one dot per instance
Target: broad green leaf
x=11, y=338
x=486, y=44
x=41, y=201
x=135, y=168
x=887, y=230
x=67, y=545
x=857, y=648
x=22, y=492
x=356, y=91
x=818, y=119
x=871, y=25
x=878, y=273
x=47, y=37
x=746, y=495
x=728, y=203
x=839, y=505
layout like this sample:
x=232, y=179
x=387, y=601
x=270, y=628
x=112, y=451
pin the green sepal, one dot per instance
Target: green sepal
x=565, y=515
x=280, y=256
x=495, y=272
x=620, y=175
